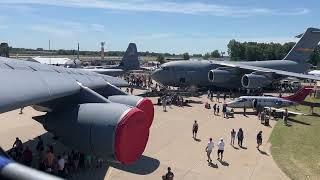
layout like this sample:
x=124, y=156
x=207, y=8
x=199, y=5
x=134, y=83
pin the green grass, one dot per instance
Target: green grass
x=296, y=148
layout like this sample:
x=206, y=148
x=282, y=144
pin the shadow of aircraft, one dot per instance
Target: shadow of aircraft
x=145, y=165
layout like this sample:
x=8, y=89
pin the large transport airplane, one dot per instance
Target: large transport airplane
x=129, y=62
x=249, y=74
x=104, y=120
x=270, y=101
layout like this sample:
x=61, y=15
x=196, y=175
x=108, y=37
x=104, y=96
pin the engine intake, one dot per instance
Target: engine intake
x=254, y=81
x=116, y=132
x=219, y=75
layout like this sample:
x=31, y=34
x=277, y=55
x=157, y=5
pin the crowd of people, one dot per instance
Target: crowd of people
x=47, y=160
x=139, y=80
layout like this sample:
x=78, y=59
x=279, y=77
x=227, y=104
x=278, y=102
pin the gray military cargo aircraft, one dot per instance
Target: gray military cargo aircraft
x=104, y=120
x=250, y=74
x=129, y=62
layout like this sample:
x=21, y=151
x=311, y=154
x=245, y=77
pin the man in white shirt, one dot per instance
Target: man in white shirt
x=220, y=149
x=209, y=149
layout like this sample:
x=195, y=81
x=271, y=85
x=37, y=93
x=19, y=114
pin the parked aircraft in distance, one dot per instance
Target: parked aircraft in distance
x=250, y=74
x=104, y=120
x=129, y=62
x=270, y=101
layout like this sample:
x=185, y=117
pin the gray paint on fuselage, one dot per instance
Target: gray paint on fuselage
x=196, y=72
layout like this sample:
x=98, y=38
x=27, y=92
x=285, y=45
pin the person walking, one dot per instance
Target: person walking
x=244, y=110
x=169, y=175
x=224, y=110
x=164, y=103
x=214, y=109
x=218, y=110
x=209, y=149
x=220, y=149
x=259, y=139
x=195, y=130
x=233, y=135
x=218, y=96
x=240, y=137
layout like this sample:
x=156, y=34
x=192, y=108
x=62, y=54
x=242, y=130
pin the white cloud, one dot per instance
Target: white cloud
x=66, y=29
x=197, y=8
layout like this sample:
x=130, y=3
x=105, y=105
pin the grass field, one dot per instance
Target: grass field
x=296, y=148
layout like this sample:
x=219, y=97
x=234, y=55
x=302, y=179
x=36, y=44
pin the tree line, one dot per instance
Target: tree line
x=253, y=51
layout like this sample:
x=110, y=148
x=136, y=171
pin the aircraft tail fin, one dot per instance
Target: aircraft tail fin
x=300, y=95
x=302, y=50
x=130, y=59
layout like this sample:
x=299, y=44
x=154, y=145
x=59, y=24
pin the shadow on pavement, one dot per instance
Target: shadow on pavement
x=242, y=147
x=145, y=165
x=213, y=165
x=235, y=147
x=263, y=152
x=224, y=163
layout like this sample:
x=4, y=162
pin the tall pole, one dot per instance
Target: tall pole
x=49, y=52
x=78, y=51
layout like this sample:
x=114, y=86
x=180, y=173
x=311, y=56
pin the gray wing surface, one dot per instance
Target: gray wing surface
x=24, y=83
x=267, y=70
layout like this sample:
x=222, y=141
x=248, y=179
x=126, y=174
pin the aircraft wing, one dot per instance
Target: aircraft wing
x=267, y=70
x=26, y=83
x=282, y=110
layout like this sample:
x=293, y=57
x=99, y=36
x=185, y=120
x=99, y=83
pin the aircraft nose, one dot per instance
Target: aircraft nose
x=156, y=75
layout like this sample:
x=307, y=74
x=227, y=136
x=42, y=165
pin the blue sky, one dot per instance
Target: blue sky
x=173, y=26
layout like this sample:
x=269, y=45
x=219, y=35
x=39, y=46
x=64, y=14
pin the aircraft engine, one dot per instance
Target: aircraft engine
x=115, y=132
x=141, y=103
x=255, y=81
x=219, y=75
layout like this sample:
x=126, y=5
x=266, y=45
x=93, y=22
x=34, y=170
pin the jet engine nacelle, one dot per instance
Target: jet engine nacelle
x=113, y=131
x=141, y=103
x=219, y=75
x=254, y=81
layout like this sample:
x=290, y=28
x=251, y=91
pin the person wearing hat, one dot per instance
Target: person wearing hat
x=220, y=149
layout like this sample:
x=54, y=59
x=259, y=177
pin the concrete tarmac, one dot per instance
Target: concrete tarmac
x=171, y=144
